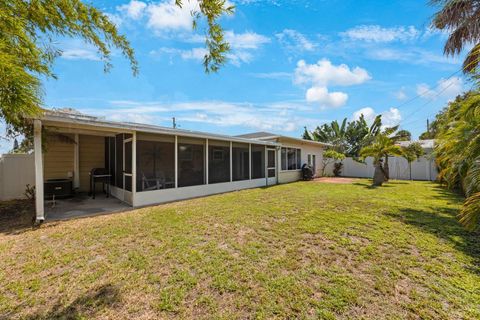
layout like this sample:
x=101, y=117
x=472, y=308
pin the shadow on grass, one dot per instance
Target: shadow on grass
x=445, y=194
x=397, y=182
x=370, y=186
x=16, y=216
x=85, y=306
x=442, y=223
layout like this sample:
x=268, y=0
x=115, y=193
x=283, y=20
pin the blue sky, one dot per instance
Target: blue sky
x=292, y=64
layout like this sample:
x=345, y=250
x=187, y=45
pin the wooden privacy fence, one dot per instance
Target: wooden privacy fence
x=16, y=171
x=422, y=169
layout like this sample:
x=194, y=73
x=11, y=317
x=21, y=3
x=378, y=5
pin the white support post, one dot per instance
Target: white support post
x=134, y=166
x=176, y=162
x=76, y=162
x=265, y=165
x=250, y=161
x=37, y=147
x=206, y=161
x=231, y=161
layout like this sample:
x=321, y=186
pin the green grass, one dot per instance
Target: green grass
x=302, y=250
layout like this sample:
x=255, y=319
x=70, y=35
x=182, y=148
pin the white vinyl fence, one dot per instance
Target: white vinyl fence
x=16, y=171
x=422, y=169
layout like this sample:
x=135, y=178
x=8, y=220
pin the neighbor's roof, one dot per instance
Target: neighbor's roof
x=265, y=136
x=67, y=119
x=426, y=144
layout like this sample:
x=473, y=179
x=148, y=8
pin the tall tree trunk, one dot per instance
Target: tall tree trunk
x=410, y=167
x=379, y=175
x=386, y=169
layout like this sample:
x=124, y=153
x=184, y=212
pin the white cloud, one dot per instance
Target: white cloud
x=325, y=98
x=80, y=54
x=376, y=33
x=294, y=41
x=246, y=40
x=324, y=73
x=133, y=10
x=401, y=95
x=195, y=53
x=168, y=20
x=390, y=118
x=164, y=16
x=242, y=44
x=167, y=16
x=409, y=55
x=446, y=88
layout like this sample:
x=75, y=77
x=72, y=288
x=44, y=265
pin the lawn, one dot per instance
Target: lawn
x=301, y=250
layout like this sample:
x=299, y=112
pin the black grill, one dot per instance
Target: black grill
x=100, y=175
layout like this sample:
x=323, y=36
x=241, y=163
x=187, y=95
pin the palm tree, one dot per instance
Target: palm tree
x=394, y=137
x=403, y=135
x=383, y=146
x=333, y=133
x=346, y=137
x=460, y=18
x=411, y=153
x=458, y=153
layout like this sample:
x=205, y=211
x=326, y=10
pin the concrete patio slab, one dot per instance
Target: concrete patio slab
x=81, y=205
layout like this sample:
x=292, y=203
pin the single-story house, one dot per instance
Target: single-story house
x=427, y=145
x=148, y=164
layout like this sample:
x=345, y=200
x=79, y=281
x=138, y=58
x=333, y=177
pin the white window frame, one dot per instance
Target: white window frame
x=296, y=160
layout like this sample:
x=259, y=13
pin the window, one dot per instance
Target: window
x=299, y=159
x=240, y=161
x=258, y=161
x=291, y=159
x=191, y=162
x=155, y=162
x=309, y=160
x=218, y=161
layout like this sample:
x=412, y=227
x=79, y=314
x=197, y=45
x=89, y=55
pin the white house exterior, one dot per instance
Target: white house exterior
x=289, y=169
x=152, y=164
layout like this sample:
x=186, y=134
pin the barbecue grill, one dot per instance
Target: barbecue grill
x=99, y=175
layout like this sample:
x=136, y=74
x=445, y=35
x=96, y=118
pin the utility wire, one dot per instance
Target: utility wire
x=421, y=95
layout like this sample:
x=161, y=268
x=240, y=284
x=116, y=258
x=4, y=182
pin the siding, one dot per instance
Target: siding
x=306, y=149
x=92, y=155
x=58, y=157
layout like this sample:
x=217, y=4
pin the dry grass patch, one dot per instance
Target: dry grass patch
x=302, y=250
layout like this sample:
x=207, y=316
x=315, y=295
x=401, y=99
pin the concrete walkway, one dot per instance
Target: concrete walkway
x=82, y=206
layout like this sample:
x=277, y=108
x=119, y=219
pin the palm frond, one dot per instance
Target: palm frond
x=469, y=215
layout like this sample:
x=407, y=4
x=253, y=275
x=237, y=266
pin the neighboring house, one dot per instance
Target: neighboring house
x=427, y=145
x=152, y=164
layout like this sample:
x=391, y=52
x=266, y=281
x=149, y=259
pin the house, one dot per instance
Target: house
x=427, y=145
x=294, y=152
x=148, y=164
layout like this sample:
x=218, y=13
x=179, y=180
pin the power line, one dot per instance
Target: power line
x=428, y=102
x=421, y=95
